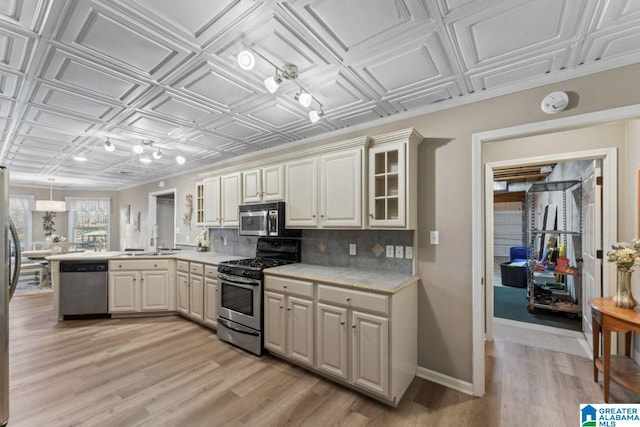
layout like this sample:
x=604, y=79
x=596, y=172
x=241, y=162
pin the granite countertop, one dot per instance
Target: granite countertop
x=382, y=281
x=204, y=257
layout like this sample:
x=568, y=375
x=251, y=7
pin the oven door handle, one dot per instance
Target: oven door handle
x=238, y=279
x=228, y=325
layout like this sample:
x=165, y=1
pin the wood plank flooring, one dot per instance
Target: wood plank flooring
x=167, y=371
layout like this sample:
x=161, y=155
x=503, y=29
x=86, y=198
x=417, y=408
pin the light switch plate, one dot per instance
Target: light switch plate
x=224, y=241
x=352, y=248
x=434, y=237
x=408, y=252
x=399, y=251
x=389, y=251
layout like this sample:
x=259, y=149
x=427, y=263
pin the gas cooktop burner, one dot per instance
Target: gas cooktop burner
x=258, y=263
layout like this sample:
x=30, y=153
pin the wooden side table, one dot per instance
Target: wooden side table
x=621, y=369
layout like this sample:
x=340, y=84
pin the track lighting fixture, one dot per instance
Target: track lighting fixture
x=108, y=145
x=157, y=154
x=247, y=61
x=315, y=115
x=138, y=149
x=180, y=160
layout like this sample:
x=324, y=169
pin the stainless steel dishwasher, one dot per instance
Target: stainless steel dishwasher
x=83, y=288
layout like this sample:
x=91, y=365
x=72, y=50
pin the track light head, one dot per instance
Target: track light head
x=138, y=149
x=273, y=83
x=315, y=115
x=180, y=160
x=304, y=99
x=157, y=154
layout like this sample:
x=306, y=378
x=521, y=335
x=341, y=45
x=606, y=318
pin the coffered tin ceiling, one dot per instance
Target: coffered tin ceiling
x=74, y=72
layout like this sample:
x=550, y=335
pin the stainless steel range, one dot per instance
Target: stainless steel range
x=241, y=294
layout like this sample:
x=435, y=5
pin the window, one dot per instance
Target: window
x=89, y=221
x=20, y=208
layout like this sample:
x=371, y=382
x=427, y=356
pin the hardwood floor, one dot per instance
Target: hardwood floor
x=167, y=371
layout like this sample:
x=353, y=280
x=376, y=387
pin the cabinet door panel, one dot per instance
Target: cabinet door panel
x=252, y=186
x=341, y=189
x=300, y=330
x=370, y=352
x=182, y=288
x=231, y=195
x=274, y=322
x=387, y=192
x=273, y=183
x=331, y=346
x=210, y=302
x=155, y=290
x=301, y=183
x=123, y=292
x=211, y=188
x=196, y=297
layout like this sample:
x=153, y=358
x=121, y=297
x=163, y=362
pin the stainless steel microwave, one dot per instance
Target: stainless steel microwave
x=264, y=220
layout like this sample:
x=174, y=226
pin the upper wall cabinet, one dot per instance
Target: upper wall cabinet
x=337, y=179
x=302, y=194
x=211, y=190
x=393, y=178
x=263, y=184
x=231, y=196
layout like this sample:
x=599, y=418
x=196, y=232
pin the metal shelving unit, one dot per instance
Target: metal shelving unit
x=563, y=294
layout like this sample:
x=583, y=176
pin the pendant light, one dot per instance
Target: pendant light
x=51, y=205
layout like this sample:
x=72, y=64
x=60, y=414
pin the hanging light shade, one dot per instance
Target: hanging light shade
x=108, y=145
x=273, y=83
x=315, y=115
x=180, y=160
x=157, y=154
x=51, y=205
x=304, y=99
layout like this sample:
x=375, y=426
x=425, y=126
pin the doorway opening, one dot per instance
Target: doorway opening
x=544, y=217
x=162, y=219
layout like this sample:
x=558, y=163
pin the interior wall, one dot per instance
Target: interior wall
x=445, y=197
x=165, y=221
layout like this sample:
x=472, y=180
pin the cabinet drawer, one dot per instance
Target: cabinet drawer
x=211, y=271
x=140, y=264
x=196, y=268
x=183, y=266
x=291, y=286
x=351, y=298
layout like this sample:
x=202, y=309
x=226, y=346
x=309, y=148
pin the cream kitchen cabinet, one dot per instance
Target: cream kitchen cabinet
x=197, y=288
x=393, y=180
x=198, y=203
x=140, y=286
x=211, y=191
x=263, y=184
x=289, y=319
x=230, y=198
x=210, y=296
x=352, y=331
x=353, y=341
x=196, y=291
x=301, y=188
x=338, y=184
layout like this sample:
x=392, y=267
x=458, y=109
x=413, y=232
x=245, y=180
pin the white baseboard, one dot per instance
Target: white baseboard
x=445, y=380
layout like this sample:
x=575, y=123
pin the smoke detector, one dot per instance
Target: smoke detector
x=555, y=102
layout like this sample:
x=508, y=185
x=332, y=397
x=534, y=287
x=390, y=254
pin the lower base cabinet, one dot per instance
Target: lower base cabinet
x=197, y=292
x=363, y=339
x=140, y=286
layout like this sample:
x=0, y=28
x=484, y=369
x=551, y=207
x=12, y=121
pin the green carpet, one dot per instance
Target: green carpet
x=511, y=303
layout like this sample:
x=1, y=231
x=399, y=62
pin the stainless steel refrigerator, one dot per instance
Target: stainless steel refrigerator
x=10, y=271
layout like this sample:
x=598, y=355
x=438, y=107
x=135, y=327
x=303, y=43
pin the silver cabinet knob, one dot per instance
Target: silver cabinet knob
x=348, y=299
x=353, y=326
x=342, y=323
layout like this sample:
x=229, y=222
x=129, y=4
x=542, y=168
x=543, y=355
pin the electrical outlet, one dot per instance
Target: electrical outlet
x=408, y=252
x=352, y=248
x=177, y=230
x=434, y=237
x=389, y=251
x=399, y=251
x=224, y=241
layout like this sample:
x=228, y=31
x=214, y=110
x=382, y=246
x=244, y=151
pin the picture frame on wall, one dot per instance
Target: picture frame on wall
x=136, y=221
x=127, y=214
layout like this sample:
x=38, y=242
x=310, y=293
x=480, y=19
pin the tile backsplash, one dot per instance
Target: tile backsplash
x=330, y=247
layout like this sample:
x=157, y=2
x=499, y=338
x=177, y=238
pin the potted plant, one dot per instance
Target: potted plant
x=203, y=240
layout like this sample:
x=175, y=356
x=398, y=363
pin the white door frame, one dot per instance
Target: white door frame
x=153, y=212
x=610, y=161
x=477, y=219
